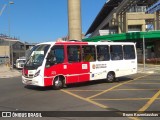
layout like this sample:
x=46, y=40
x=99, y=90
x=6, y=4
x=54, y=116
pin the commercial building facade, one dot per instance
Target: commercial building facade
x=122, y=17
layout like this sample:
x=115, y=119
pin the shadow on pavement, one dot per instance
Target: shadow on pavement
x=76, y=85
x=37, y=88
x=96, y=82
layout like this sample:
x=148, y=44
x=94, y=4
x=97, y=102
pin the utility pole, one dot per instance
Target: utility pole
x=144, y=54
x=9, y=33
x=74, y=20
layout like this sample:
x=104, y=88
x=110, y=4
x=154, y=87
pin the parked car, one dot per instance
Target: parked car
x=20, y=63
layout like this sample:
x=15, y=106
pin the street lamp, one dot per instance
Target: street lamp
x=9, y=3
x=3, y=8
x=9, y=31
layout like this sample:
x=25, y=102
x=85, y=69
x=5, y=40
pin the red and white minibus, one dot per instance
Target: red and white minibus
x=60, y=63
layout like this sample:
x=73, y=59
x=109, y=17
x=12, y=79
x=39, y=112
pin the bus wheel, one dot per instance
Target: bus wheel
x=110, y=77
x=58, y=83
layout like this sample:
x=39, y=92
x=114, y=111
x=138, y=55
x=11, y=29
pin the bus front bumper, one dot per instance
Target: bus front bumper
x=36, y=81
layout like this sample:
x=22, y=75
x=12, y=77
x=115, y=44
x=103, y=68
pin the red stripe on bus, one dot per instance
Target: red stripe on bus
x=71, y=43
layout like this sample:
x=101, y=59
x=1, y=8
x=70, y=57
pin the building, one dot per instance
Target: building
x=128, y=20
x=122, y=16
x=11, y=49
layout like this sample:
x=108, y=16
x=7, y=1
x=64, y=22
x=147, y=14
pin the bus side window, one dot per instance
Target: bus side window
x=129, y=52
x=116, y=52
x=103, y=53
x=73, y=53
x=56, y=55
x=88, y=53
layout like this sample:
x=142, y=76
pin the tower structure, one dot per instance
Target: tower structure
x=74, y=20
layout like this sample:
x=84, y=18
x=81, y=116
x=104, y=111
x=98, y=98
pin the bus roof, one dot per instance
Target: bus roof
x=87, y=43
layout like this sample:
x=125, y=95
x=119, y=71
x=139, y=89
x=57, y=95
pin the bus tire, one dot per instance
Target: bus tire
x=110, y=77
x=58, y=83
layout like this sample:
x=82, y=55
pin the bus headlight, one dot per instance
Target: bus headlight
x=37, y=73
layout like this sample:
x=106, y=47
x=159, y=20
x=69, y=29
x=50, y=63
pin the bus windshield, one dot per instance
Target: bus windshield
x=37, y=56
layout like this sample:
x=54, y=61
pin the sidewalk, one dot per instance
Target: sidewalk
x=149, y=68
x=6, y=72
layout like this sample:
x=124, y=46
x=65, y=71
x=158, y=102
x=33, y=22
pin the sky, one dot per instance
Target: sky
x=36, y=21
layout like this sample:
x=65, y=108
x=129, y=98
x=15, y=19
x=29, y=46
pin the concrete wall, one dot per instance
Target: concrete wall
x=4, y=51
x=139, y=19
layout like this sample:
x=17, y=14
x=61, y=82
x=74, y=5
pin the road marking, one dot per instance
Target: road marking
x=155, y=79
x=112, y=90
x=116, y=87
x=99, y=99
x=85, y=99
x=101, y=105
x=93, y=102
x=134, y=89
x=85, y=90
x=142, y=83
x=148, y=104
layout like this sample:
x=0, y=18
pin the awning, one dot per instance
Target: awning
x=134, y=36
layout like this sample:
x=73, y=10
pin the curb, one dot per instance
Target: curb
x=9, y=76
x=149, y=72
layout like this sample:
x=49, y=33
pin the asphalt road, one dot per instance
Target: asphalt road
x=140, y=92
